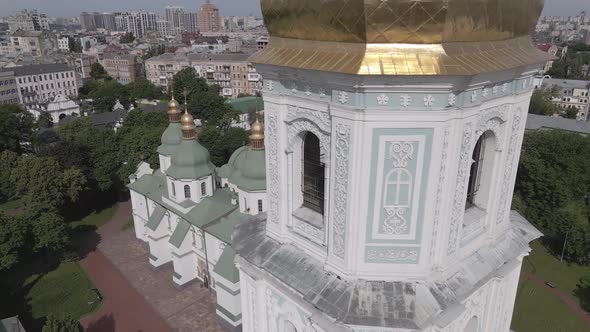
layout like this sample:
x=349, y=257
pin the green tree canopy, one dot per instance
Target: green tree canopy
x=142, y=88
x=16, y=125
x=45, y=120
x=127, y=38
x=222, y=144
x=541, y=102
x=14, y=236
x=105, y=95
x=61, y=323
x=571, y=113
x=97, y=71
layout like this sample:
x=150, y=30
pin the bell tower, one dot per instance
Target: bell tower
x=393, y=135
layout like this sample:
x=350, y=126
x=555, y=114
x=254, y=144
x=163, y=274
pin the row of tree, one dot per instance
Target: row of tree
x=552, y=190
x=541, y=104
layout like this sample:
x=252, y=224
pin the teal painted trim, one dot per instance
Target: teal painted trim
x=227, y=289
x=228, y=314
x=427, y=133
x=392, y=255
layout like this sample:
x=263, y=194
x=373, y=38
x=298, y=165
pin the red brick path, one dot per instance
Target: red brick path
x=565, y=298
x=123, y=308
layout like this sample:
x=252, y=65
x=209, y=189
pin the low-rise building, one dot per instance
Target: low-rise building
x=40, y=83
x=571, y=93
x=124, y=68
x=58, y=108
x=554, y=50
x=37, y=43
x=247, y=106
x=63, y=43
x=8, y=88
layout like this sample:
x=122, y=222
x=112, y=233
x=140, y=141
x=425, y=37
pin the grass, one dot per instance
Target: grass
x=548, y=267
x=96, y=219
x=66, y=289
x=128, y=225
x=11, y=205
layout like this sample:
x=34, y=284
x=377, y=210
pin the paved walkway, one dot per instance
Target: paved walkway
x=123, y=308
x=136, y=298
x=583, y=314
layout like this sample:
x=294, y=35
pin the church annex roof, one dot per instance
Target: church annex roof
x=409, y=305
x=225, y=266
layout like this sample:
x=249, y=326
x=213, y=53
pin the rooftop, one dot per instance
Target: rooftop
x=39, y=69
x=536, y=122
x=567, y=84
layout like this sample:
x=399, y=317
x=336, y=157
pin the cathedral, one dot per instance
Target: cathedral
x=377, y=196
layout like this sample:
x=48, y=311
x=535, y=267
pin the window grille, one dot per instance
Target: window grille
x=187, y=191
x=475, y=172
x=203, y=188
x=313, y=174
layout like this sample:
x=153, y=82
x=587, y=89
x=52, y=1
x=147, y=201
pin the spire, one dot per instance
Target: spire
x=188, y=124
x=257, y=131
x=173, y=109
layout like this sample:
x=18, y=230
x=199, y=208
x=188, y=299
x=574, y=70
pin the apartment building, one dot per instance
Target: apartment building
x=124, y=68
x=63, y=43
x=28, y=20
x=571, y=93
x=232, y=72
x=39, y=83
x=36, y=43
x=8, y=88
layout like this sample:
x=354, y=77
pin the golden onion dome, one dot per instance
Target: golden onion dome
x=173, y=110
x=187, y=126
x=401, y=37
x=257, y=135
x=173, y=104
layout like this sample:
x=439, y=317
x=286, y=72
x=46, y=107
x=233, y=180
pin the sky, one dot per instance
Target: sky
x=227, y=7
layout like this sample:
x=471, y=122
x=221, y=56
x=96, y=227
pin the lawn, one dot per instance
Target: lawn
x=537, y=310
x=66, y=289
x=548, y=267
x=96, y=219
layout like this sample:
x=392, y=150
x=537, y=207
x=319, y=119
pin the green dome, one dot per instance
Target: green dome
x=248, y=169
x=190, y=160
x=171, y=138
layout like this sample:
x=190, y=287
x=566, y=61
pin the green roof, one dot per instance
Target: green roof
x=226, y=267
x=249, y=170
x=190, y=160
x=156, y=218
x=223, y=229
x=179, y=233
x=245, y=104
x=212, y=208
x=171, y=138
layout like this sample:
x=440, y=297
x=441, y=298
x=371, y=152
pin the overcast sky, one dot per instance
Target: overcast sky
x=227, y=7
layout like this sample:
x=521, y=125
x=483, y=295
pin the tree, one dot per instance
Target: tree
x=221, y=145
x=142, y=88
x=187, y=79
x=61, y=323
x=45, y=120
x=571, y=112
x=8, y=161
x=75, y=45
x=127, y=38
x=106, y=94
x=15, y=126
x=49, y=232
x=97, y=71
x=14, y=235
x=541, y=102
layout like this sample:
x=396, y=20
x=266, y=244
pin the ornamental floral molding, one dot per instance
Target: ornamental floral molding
x=302, y=125
x=391, y=255
x=439, y=193
x=342, y=150
x=272, y=143
x=270, y=85
x=405, y=100
x=395, y=223
x=429, y=101
x=272, y=306
x=307, y=91
x=316, y=235
x=509, y=166
x=401, y=152
x=492, y=120
x=460, y=188
x=474, y=97
x=505, y=87
x=452, y=99
x=343, y=97
x=322, y=119
x=382, y=99
x=253, y=307
x=322, y=93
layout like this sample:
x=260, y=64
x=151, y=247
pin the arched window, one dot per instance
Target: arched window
x=203, y=188
x=475, y=172
x=289, y=327
x=313, y=174
x=187, y=191
x=398, y=188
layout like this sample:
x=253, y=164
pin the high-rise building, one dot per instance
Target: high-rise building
x=87, y=21
x=393, y=145
x=138, y=23
x=163, y=27
x=190, y=22
x=175, y=17
x=28, y=20
x=108, y=21
x=208, y=19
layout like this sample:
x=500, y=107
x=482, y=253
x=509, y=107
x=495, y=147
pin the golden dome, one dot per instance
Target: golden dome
x=257, y=134
x=173, y=104
x=173, y=110
x=188, y=126
x=401, y=21
x=401, y=37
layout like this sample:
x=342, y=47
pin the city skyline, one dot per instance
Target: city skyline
x=226, y=7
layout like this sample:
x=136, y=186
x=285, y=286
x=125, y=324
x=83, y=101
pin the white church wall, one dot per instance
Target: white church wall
x=158, y=242
x=139, y=210
x=248, y=202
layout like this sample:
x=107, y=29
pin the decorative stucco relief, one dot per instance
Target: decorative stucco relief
x=509, y=166
x=391, y=255
x=439, y=193
x=274, y=186
x=321, y=119
x=302, y=125
x=316, y=235
x=342, y=150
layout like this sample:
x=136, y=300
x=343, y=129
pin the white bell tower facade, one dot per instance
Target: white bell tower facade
x=390, y=173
